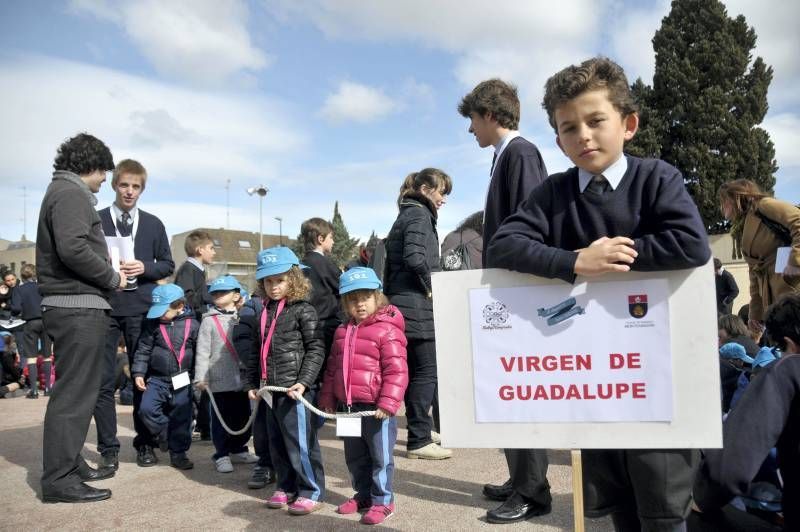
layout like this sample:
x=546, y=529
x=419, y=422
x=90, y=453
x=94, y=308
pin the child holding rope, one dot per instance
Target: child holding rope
x=217, y=369
x=367, y=370
x=290, y=351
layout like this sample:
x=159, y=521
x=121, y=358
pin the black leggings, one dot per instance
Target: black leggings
x=421, y=392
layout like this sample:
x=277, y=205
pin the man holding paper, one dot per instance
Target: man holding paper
x=138, y=241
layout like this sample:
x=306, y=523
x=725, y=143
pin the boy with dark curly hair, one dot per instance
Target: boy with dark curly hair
x=609, y=213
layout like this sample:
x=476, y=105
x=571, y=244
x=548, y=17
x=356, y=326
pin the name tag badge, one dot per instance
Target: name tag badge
x=348, y=427
x=181, y=380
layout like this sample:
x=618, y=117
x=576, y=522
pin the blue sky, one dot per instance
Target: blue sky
x=319, y=100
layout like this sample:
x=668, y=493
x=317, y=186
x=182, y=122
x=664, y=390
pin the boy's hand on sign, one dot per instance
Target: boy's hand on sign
x=382, y=414
x=139, y=381
x=606, y=255
x=252, y=395
x=296, y=391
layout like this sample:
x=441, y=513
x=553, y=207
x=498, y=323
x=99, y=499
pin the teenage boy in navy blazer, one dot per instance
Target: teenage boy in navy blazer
x=129, y=307
x=609, y=213
x=517, y=168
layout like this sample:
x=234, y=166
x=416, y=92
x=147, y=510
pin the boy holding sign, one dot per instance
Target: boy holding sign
x=609, y=213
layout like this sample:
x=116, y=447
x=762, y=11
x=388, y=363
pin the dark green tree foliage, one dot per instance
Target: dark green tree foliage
x=707, y=100
x=299, y=246
x=344, y=247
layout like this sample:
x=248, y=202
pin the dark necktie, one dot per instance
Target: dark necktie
x=599, y=185
x=494, y=159
x=124, y=224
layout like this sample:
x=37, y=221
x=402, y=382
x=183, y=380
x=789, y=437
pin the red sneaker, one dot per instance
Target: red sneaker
x=377, y=514
x=304, y=506
x=353, y=505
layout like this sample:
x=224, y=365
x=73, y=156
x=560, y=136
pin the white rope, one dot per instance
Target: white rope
x=268, y=389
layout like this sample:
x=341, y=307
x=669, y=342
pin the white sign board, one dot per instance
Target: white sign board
x=621, y=361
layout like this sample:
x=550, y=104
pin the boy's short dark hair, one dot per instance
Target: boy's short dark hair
x=783, y=320
x=27, y=272
x=732, y=325
x=83, y=154
x=592, y=74
x=194, y=240
x=128, y=166
x=494, y=97
x=312, y=229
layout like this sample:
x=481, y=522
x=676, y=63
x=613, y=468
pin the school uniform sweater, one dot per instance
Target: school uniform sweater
x=324, y=277
x=650, y=205
x=517, y=171
x=26, y=302
x=767, y=416
x=151, y=246
x=193, y=281
x=214, y=363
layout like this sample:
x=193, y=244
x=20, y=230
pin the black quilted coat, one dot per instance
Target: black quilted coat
x=412, y=253
x=297, y=349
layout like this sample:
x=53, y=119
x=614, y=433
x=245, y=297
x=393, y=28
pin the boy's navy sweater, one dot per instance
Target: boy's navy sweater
x=651, y=206
x=193, y=281
x=767, y=416
x=153, y=356
x=324, y=277
x=518, y=170
x=26, y=302
x=151, y=246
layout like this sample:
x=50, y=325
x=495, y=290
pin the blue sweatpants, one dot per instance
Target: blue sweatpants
x=370, y=460
x=294, y=447
x=164, y=409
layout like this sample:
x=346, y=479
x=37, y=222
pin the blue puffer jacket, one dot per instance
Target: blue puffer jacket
x=153, y=357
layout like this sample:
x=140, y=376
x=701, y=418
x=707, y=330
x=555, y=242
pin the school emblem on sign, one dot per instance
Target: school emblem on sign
x=637, y=306
x=495, y=314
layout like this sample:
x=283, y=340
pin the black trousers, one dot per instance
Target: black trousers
x=528, y=471
x=421, y=391
x=235, y=410
x=79, y=339
x=105, y=413
x=642, y=489
x=260, y=437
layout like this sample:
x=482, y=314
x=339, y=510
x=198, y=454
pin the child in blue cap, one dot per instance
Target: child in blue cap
x=367, y=370
x=161, y=370
x=218, y=370
x=290, y=351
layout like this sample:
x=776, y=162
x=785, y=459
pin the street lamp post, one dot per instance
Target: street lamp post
x=261, y=190
x=280, y=229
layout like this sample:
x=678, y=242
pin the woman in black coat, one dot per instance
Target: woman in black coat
x=412, y=253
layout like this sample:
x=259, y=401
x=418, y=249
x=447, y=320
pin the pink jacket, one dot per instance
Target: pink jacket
x=375, y=351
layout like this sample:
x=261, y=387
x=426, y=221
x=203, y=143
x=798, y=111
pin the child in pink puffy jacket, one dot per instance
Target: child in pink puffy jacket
x=367, y=370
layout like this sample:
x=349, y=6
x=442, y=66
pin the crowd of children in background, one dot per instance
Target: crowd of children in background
x=334, y=339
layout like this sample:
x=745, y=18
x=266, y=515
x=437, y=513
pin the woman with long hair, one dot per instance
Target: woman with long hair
x=412, y=253
x=762, y=224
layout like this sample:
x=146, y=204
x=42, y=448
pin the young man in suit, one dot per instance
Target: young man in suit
x=517, y=168
x=129, y=307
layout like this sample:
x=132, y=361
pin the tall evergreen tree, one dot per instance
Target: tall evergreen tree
x=344, y=247
x=707, y=100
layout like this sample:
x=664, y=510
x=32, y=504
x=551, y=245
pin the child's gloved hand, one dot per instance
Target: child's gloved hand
x=296, y=391
x=380, y=413
x=139, y=382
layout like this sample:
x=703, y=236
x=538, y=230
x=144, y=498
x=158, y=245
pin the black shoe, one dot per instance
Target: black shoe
x=516, y=508
x=3, y=391
x=110, y=459
x=498, y=493
x=89, y=473
x=180, y=461
x=145, y=456
x=262, y=475
x=33, y=394
x=77, y=493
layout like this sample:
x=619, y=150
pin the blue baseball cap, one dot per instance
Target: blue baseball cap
x=732, y=350
x=163, y=295
x=359, y=278
x=276, y=260
x=224, y=283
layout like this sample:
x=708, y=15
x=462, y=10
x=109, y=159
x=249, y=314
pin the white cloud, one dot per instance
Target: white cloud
x=354, y=102
x=203, y=41
x=784, y=130
x=632, y=37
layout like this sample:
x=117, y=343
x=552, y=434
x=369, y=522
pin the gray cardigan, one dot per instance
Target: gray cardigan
x=214, y=364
